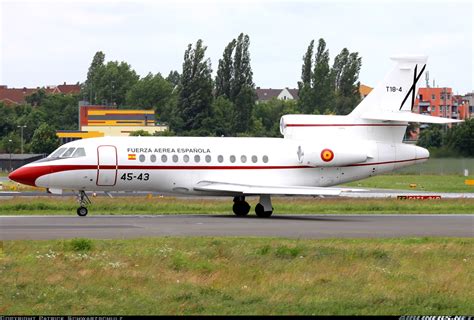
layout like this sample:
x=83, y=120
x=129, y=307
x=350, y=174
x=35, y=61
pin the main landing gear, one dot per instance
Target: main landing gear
x=83, y=200
x=263, y=209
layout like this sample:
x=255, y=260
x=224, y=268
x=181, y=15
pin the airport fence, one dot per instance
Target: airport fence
x=441, y=166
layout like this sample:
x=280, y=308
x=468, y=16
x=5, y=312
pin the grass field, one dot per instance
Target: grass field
x=436, y=183
x=238, y=276
x=282, y=205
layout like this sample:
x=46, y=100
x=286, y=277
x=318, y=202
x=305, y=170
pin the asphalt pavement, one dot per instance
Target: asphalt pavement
x=279, y=225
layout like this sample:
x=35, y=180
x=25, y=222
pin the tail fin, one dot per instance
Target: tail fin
x=394, y=97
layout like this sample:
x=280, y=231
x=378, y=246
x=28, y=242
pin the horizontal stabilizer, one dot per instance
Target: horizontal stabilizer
x=242, y=189
x=406, y=116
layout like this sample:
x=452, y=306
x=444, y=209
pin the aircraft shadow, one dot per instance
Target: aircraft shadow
x=291, y=217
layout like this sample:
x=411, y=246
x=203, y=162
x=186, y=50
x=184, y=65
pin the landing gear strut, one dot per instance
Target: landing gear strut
x=241, y=207
x=83, y=200
x=264, y=208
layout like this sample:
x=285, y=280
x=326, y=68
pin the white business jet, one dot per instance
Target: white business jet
x=315, y=153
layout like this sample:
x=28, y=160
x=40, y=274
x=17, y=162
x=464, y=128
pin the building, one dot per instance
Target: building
x=364, y=91
x=15, y=96
x=280, y=94
x=100, y=121
x=440, y=102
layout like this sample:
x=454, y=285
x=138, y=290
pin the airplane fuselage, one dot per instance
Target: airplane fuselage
x=178, y=164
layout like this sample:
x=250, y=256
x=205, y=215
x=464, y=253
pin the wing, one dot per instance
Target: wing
x=406, y=116
x=245, y=189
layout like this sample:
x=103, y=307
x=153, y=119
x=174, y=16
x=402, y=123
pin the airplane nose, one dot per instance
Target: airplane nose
x=27, y=175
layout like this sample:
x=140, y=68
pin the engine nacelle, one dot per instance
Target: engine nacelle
x=332, y=154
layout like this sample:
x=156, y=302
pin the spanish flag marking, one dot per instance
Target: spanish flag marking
x=327, y=155
x=132, y=156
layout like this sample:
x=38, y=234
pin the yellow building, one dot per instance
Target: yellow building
x=100, y=121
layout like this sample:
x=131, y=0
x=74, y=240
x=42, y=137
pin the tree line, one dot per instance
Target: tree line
x=192, y=101
x=443, y=141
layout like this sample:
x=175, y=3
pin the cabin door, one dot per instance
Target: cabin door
x=106, y=165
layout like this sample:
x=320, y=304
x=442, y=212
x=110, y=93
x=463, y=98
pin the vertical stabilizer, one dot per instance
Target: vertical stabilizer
x=398, y=89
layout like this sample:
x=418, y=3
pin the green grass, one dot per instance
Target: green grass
x=282, y=205
x=238, y=276
x=435, y=183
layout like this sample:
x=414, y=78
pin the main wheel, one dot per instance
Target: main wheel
x=261, y=213
x=82, y=211
x=241, y=208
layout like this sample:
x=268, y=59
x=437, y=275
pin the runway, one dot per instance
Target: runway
x=288, y=226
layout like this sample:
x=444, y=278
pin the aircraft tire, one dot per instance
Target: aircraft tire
x=241, y=208
x=82, y=211
x=259, y=211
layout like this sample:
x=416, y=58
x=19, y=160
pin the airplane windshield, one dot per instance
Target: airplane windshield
x=80, y=152
x=57, y=153
x=68, y=153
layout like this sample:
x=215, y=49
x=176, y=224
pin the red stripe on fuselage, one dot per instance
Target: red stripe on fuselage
x=28, y=175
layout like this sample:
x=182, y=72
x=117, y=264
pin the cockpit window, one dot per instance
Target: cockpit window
x=57, y=153
x=68, y=153
x=80, y=152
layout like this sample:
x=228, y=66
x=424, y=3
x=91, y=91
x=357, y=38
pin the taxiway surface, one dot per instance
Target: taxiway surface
x=290, y=226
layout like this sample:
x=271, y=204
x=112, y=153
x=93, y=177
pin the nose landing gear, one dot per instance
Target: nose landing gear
x=83, y=200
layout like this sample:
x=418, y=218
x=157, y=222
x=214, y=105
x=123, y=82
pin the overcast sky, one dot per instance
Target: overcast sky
x=51, y=42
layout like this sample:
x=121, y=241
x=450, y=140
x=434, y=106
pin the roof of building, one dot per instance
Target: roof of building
x=69, y=88
x=18, y=95
x=364, y=90
x=268, y=94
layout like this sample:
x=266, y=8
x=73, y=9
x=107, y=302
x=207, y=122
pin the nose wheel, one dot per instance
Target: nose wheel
x=83, y=200
x=82, y=211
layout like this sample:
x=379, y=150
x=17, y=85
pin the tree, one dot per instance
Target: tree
x=461, y=138
x=223, y=111
x=306, y=101
x=44, y=139
x=152, y=91
x=90, y=87
x=10, y=143
x=195, y=98
x=234, y=81
x=431, y=137
x=108, y=83
x=114, y=82
x=140, y=133
x=36, y=98
x=174, y=77
x=266, y=116
x=344, y=76
x=225, y=72
x=322, y=92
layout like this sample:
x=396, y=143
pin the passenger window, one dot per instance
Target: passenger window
x=68, y=153
x=186, y=158
x=80, y=152
x=57, y=153
x=243, y=159
x=208, y=158
x=232, y=159
x=175, y=158
x=153, y=158
x=197, y=158
x=254, y=159
x=164, y=158
x=141, y=158
x=220, y=159
x=265, y=159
